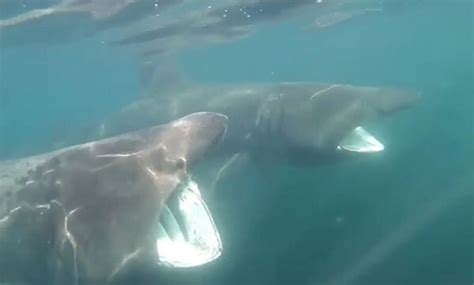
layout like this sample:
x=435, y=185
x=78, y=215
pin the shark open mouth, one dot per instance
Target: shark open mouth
x=187, y=234
x=360, y=140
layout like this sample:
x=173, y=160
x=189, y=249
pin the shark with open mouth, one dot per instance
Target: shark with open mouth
x=301, y=123
x=93, y=213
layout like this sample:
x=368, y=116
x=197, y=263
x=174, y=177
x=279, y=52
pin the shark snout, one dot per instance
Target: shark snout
x=394, y=99
x=384, y=101
x=192, y=136
x=208, y=130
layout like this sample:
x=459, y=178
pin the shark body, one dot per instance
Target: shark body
x=96, y=212
x=297, y=122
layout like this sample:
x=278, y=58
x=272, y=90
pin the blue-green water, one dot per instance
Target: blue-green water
x=403, y=217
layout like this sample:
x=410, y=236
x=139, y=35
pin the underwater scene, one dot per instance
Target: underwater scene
x=240, y=142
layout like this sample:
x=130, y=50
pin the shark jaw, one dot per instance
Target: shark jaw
x=187, y=235
x=360, y=140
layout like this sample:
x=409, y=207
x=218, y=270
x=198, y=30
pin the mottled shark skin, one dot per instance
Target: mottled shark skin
x=300, y=122
x=93, y=213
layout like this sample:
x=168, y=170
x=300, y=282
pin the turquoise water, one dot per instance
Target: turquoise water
x=403, y=217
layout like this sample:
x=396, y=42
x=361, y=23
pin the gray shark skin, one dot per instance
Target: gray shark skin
x=303, y=123
x=93, y=213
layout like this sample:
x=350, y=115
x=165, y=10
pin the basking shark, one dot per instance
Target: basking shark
x=96, y=212
x=291, y=123
x=299, y=122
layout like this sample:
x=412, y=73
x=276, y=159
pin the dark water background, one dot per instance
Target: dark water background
x=402, y=217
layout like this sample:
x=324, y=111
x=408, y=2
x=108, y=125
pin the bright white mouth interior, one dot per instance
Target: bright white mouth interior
x=187, y=234
x=359, y=140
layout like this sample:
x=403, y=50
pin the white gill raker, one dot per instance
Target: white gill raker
x=117, y=155
x=322, y=91
x=123, y=264
x=152, y=173
x=7, y=217
x=48, y=171
x=71, y=239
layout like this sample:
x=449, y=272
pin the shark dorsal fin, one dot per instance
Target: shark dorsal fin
x=162, y=78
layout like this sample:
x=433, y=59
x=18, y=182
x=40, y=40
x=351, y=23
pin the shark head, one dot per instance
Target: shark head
x=328, y=120
x=124, y=203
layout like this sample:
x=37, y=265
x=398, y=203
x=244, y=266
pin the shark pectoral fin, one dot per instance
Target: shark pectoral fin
x=359, y=140
x=163, y=76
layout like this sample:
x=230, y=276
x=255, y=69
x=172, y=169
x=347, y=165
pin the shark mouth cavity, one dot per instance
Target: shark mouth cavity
x=187, y=235
x=360, y=140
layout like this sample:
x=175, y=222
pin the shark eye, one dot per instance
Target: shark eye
x=180, y=163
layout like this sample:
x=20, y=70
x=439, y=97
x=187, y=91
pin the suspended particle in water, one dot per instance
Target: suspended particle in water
x=339, y=220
